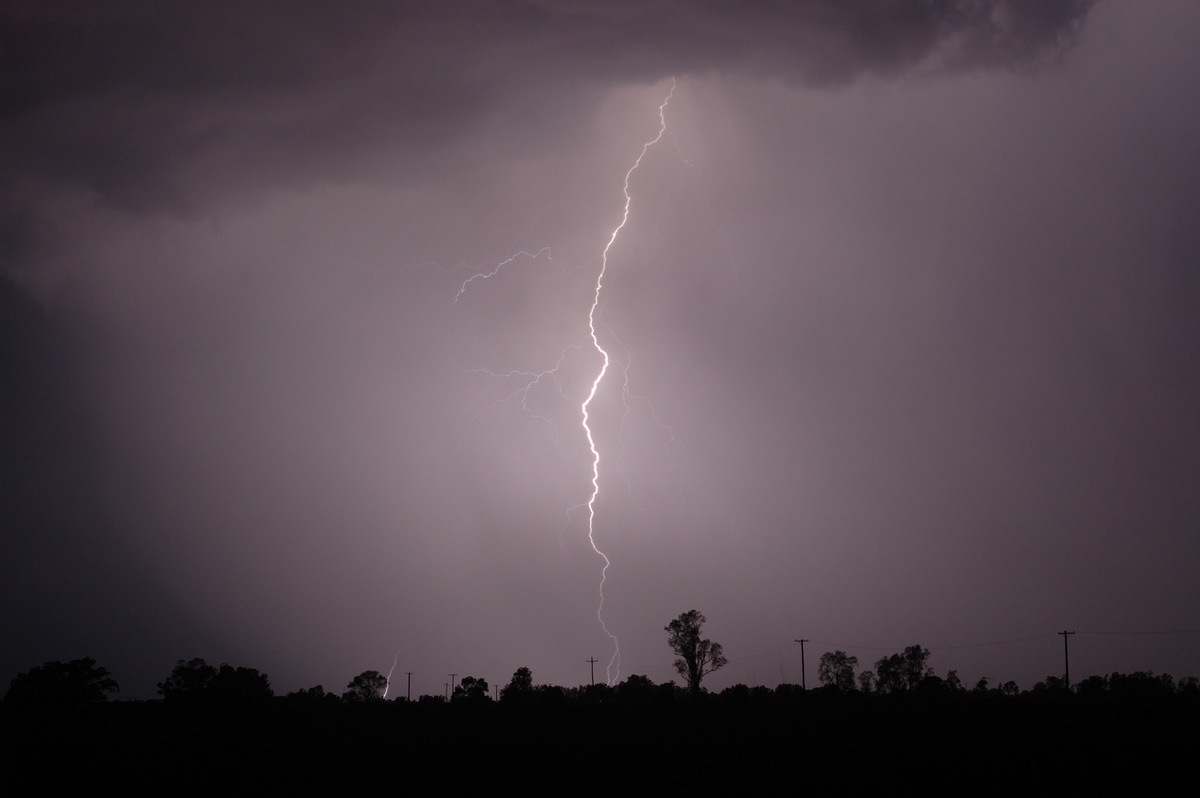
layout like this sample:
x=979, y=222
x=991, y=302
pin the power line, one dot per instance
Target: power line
x=984, y=644
x=1152, y=632
x=1011, y=640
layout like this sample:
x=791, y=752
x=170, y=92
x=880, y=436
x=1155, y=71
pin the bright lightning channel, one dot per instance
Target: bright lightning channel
x=613, y=669
x=387, y=685
x=533, y=378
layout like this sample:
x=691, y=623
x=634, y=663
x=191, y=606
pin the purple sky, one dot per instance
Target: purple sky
x=903, y=325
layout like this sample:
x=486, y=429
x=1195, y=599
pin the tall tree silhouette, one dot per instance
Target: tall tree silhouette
x=836, y=669
x=697, y=657
x=520, y=688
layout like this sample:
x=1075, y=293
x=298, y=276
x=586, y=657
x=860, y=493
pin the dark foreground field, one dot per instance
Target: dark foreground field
x=813, y=743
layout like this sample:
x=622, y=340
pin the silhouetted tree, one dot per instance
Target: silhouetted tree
x=1052, y=684
x=637, y=689
x=520, y=687
x=312, y=695
x=596, y=693
x=470, y=690
x=789, y=692
x=757, y=696
x=79, y=681
x=902, y=672
x=195, y=681
x=868, y=681
x=697, y=657
x=1141, y=684
x=888, y=678
x=366, y=686
x=836, y=669
x=932, y=685
x=914, y=666
x=187, y=681
x=550, y=695
x=239, y=686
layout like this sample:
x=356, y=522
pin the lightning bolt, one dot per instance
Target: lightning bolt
x=613, y=669
x=528, y=380
x=388, y=682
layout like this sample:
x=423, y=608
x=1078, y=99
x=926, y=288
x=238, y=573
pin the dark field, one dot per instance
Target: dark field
x=758, y=740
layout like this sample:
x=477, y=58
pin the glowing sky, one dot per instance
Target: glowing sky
x=903, y=323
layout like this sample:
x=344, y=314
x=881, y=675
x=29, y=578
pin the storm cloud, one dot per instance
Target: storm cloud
x=157, y=108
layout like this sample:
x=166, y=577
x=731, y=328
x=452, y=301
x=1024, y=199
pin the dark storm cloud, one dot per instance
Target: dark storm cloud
x=157, y=106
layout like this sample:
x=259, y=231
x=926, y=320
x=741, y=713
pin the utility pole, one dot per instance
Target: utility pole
x=409, y=694
x=803, y=678
x=592, y=661
x=453, y=682
x=1066, y=659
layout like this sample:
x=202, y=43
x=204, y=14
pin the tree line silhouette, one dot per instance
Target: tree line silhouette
x=196, y=682
x=897, y=726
